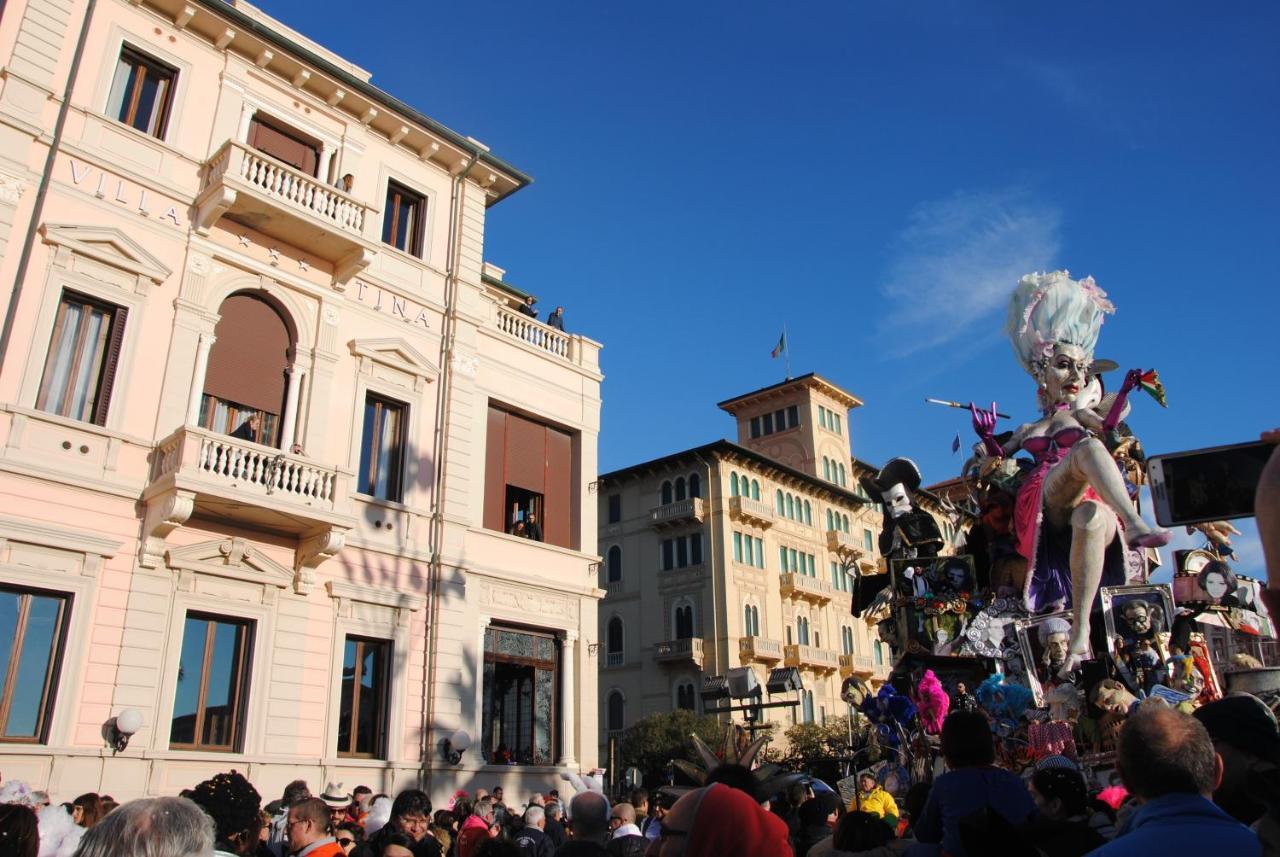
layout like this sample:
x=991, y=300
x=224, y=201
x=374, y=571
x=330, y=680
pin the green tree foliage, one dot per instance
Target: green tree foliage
x=818, y=748
x=652, y=742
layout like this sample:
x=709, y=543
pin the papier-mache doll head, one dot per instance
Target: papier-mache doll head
x=1053, y=326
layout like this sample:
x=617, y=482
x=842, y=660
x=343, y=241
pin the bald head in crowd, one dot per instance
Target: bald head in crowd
x=590, y=814
x=1163, y=751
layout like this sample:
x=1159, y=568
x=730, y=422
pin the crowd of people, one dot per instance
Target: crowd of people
x=1193, y=785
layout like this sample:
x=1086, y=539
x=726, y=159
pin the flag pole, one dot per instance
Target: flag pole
x=786, y=349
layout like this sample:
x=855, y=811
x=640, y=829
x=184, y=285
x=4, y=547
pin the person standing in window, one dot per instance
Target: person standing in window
x=556, y=319
x=248, y=430
x=533, y=529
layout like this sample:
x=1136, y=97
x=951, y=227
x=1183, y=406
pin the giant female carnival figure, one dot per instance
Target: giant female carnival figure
x=1073, y=513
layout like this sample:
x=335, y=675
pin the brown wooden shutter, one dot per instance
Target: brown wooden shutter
x=495, y=482
x=526, y=454
x=248, y=361
x=283, y=146
x=557, y=522
x=110, y=363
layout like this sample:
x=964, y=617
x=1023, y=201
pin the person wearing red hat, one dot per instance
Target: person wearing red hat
x=715, y=821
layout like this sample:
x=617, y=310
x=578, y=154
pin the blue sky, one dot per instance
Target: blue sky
x=876, y=175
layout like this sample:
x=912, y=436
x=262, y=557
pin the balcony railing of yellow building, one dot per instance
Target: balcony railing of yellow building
x=751, y=511
x=679, y=512
x=532, y=332
x=687, y=650
x=759, y=649
x=859, y=665
x=809, y=588
x=844, y=545
x=810, y=657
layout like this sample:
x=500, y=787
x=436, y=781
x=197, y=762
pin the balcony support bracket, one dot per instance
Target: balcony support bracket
x=165, y=513
x=313, y=549
x=211, y=205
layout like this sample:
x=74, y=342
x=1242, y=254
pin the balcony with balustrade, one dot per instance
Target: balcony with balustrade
x=810, y=657
x=759, y=650
x=271, y=197
x=845, y=546
x=813, y=589
x=195, y=471
x=687, y=511
x=856, y=665
x=683, y=652
x=751, y=511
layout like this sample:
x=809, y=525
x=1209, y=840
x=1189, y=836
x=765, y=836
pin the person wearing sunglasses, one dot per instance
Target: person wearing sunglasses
x=625, y=839
x=348, y=836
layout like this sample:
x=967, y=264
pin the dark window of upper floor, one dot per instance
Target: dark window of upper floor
x=272, y=137
x=142, y=92
x=403, y=219
x=80, y=367
x=382, y=449
x=615, y=508
x=247, y=374
x=529, y=479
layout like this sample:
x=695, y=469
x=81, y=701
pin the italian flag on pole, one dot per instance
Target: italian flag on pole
x=780, y=347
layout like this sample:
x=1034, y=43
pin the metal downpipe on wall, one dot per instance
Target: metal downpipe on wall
x=440, y=452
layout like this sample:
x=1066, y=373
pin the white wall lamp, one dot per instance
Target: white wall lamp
x=119, y=729
x=453, y=746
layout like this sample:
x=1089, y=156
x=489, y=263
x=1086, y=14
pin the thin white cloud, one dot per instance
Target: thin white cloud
x=957, y=261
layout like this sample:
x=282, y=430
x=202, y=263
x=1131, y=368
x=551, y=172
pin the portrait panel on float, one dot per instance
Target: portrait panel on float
x=1044, y=641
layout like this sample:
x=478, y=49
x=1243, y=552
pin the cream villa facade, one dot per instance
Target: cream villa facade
x=740, y=554
x=267, y=421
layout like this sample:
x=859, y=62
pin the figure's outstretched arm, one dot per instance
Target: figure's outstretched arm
x=1132, y=379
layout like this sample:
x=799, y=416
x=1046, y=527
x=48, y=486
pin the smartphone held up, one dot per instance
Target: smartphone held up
x=1212, y=484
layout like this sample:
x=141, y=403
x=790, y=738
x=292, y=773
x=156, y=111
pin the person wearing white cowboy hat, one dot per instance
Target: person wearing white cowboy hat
x=338, y=801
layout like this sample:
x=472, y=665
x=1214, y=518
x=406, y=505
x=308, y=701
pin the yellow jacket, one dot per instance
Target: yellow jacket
x=877, y=802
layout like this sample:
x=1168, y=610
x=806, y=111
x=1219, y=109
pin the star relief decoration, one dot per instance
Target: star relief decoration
x=243, y=239
x=274, y=253
x=303, y=264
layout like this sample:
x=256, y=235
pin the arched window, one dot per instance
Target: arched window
x=806, y=697
x=841, y=466
x=617, y=711
x=680, y=495
x=684, y=621
x=695, y=486
x=802, y=631
x=879, y=653
x=808, y=514
x=755, y=489
x=755, y=621
x=666, y=493
x=844, y=522
x=684, y=696
x=614, y=647
x=826, y=468
x=782, y=506
x=245, y=381
x=733, y=485
x=615, y=564
x=791, y=507
x=830, y=526
x=746, y=620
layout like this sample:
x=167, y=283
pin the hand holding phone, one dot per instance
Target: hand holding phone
x=1214, y=484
